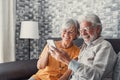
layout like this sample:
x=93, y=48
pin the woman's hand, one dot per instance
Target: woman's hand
x=59, y=55
x=62, y=78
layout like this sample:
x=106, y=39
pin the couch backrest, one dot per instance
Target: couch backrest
x=114, y=42
x=18, y=70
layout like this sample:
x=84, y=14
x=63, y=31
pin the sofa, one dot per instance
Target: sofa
x=22, y=70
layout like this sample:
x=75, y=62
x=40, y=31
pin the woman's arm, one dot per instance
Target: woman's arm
x=66, y=75
x=43, y=59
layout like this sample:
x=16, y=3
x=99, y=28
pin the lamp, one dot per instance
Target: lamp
x=29, y=30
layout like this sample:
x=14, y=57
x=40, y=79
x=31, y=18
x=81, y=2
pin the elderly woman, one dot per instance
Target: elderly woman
x=51, y=69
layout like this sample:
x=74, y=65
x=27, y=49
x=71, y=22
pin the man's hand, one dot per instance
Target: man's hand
x=59, y=55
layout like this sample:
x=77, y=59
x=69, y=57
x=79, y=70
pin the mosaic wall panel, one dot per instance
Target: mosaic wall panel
x=28, y=10
x=51, y=13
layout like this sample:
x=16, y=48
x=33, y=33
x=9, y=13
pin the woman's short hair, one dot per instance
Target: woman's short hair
x=68, y=22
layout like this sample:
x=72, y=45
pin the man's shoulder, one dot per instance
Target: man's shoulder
x=105, y=43
x=102, y=42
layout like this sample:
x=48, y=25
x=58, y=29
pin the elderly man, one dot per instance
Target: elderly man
x=97, y=57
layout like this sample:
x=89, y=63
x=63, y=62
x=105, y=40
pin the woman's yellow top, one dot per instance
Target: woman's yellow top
x=55, y=69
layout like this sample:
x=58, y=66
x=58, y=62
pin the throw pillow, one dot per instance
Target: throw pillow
x=116, y=74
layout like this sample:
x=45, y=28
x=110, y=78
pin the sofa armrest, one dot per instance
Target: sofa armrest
x=18, y=70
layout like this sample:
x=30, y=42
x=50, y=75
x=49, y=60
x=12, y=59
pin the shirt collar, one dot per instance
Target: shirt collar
x=98, y=40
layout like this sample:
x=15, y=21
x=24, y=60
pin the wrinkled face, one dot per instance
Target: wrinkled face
x=88, y=32
x=69, y=34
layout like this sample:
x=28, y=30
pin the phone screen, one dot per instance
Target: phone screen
x=50, y=42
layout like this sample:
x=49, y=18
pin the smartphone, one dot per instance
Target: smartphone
x=50, y=42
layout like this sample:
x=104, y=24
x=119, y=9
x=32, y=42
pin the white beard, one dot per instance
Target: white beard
x=92, y=39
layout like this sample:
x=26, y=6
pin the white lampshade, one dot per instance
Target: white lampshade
x=29, y=29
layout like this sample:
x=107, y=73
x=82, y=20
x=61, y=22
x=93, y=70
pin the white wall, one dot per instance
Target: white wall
x=1, y=39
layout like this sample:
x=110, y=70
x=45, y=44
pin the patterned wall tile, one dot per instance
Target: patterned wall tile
x=51, y=13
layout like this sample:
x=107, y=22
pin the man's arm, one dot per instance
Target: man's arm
x=102, y=60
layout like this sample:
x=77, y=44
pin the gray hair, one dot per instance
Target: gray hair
x=68, y=22
x=94, y=19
